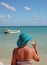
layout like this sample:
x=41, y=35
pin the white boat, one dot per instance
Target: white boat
x=12, y=31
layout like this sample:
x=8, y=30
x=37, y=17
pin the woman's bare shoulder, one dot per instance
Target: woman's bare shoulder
x=14, y=50
x=31, y=49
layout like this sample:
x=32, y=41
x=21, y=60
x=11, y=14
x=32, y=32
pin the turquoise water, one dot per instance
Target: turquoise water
x=8, y=41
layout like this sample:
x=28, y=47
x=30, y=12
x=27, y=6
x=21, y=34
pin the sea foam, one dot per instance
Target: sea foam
x=1, y=63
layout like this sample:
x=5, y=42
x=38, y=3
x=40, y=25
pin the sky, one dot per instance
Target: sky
x=23, y=12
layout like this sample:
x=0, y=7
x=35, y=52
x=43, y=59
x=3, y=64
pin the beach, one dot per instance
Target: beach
x=8, y=42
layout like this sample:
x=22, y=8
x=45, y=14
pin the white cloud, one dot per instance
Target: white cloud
x=3, y=16
x=36, y=17
x=8, y=16
x=8, y=6
x=27, y=8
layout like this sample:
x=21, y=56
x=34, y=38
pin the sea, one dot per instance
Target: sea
x=9, y=41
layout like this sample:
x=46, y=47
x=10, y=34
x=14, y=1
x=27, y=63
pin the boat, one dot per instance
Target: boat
x=11, y=31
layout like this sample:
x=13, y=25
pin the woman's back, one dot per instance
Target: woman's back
x=24, y=53
x=23, y=56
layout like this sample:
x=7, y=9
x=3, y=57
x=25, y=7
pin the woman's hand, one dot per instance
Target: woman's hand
x=34, y=44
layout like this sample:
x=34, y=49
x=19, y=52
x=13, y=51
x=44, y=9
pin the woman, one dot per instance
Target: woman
x=23, y=55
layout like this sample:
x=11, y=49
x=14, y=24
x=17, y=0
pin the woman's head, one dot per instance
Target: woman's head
x=23, y=39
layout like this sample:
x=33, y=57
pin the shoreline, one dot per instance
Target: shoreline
x=5, y=61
